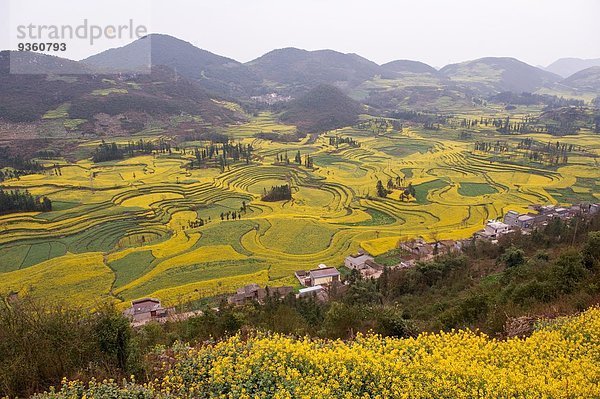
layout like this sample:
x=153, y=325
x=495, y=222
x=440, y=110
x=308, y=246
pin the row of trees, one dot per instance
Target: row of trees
x=554, y=121
x=107, y=152
x=526, y=98
x=222, y=152
x=112, y=152
x=487, y=146
x=335, y=141
x=233, y=215
x=8, y=160
x=425, y=118
x=23, y=201
x=284, y=158
x=551, y=153
x=379, y=125
x=12, y=174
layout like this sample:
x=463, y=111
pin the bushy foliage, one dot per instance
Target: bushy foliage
x=559, y=360
x=39, y=345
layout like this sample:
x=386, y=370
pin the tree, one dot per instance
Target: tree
x=411, y=190
x=568, y=270
x=513, y=256
x=341, y=321
x=392, y=323
x=113, y=334
x=390, y=184
x=278, y=193
x=384, y=281
x=381, y=191
x=591, y=250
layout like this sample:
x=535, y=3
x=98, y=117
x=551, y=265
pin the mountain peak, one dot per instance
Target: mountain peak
x=297, y=70
x=221, y=75
x=408, y=66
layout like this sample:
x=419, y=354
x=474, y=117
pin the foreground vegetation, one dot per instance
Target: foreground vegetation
x=554, y=272
x=559, y=360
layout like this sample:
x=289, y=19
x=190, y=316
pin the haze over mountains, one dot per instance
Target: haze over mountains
x=295, y=71
x=339, y=77
x=499, y=74
x=566, y=67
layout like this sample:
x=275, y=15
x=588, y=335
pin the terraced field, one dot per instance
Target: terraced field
x=124, y=232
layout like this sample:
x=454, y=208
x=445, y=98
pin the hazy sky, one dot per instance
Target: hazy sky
x=434, y=31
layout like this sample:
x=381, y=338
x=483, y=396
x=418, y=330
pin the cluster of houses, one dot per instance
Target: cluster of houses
x=420, y=250
x=321, y=281
x=539, y=217
x=545, y=213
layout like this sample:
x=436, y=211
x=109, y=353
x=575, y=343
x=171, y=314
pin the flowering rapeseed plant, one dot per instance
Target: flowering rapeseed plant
x=560, y=360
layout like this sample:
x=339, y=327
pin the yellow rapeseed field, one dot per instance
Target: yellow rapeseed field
x=560, y=360
x=155, y=202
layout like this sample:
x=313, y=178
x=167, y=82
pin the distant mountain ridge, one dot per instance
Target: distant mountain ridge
x=27, y=97
x=497, y=74
x=293, y=71
x=586, y=80
x=566, y=67
x=289, y=71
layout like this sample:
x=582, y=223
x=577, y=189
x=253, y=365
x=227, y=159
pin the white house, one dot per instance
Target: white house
x=310, y=291
x=494, y=229
x=357, y=261
x=323, y=276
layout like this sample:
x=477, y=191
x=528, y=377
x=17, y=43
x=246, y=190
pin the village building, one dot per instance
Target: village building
x=418, y=247
x=145, y=310
x=563, y=213
x=407, y=263
x=511, y=218
x=447, y=247
x=372, y=269
x=303, y=277
x=526, y=221
x=309, y=291
x=254, y=293
x=324, y=276
x=523, y=221
x=493, y=230
x=12, y=298
x=358, y=261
